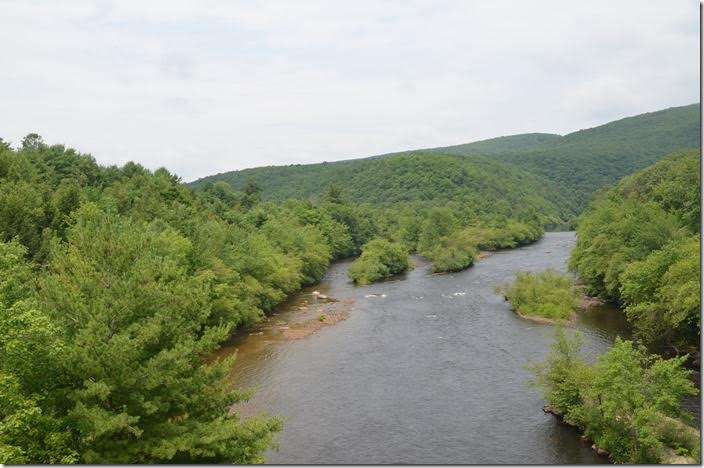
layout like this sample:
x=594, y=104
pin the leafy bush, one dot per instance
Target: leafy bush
x=548, y=294
x=454, y=249
x=628, y=402
x=563, y=376
x=453, y=252
x=380, y=259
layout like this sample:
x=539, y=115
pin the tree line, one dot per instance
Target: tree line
x=638, y=244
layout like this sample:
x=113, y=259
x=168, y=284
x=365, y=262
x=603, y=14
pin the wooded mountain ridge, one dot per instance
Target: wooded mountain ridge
x=564, y=171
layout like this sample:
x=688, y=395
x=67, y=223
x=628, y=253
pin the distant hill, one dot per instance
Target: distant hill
x=501, y=145
x=414, y=177
x=587, y=160
x=558, y=173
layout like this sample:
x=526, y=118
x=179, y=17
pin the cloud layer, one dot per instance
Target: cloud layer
x=210, y=86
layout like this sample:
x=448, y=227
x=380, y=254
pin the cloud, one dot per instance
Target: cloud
x=210, y=86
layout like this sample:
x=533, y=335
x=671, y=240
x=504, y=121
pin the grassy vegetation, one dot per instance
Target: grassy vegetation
x=547, y=294
x=380, y=259
x=639, y=244
x=628, y=402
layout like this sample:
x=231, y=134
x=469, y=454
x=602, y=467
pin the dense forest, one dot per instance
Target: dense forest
x=416, y=180
x=639, y=244
x=557, y=174
x=119, y=282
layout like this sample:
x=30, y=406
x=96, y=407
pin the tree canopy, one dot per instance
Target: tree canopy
x=638, y=243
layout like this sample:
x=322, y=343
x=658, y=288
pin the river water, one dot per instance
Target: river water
x=427, y=368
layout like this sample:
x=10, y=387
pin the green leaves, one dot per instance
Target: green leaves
x=626, y=402
x=380, y=259
x=133, y=317
x=633, y=391
x=638, y=244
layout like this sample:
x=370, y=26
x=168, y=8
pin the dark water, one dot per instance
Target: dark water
x=432, y=372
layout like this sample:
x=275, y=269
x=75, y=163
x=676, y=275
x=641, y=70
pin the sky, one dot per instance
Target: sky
x=202, y=87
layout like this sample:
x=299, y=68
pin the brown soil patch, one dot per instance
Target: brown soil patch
x=310, y=326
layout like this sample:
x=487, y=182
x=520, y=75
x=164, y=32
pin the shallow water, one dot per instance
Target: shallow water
x=427, y=368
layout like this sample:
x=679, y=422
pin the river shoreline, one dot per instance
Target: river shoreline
x=389, y=382
x=321, y=310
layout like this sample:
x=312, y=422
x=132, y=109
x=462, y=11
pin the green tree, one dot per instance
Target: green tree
x=628, y=398
x=132, y=315
x=380, y=259
x=638, y=244
x=31, y=428
x=563, y=376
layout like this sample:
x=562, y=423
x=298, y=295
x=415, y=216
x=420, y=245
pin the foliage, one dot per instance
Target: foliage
x=564, y=376
x=30, y=430
x=638, y=244
x=454, y=252
x=380, y=259
x=627, y=402
x=415, y=180
x=453, y=247
x=585, y=161
x=547, y=294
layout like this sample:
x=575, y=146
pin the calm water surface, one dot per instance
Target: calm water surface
x=428, y=368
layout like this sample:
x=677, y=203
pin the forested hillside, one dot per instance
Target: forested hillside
x=639, y=244
x=480, y=184
x=565, y=170
x=502, y=145
x=585, y=161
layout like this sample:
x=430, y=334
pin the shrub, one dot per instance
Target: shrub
x=628, y=402
x=548, y=294
x=452, y=253
x=380, y=259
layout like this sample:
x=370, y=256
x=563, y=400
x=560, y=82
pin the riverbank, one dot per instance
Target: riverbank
x=314, y=310
x=681, y=435
x=428, y=335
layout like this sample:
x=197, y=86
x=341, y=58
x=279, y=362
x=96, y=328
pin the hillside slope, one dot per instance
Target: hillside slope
x=557, y=174
x=587, y=160
x=414, y=177
x=503, y=144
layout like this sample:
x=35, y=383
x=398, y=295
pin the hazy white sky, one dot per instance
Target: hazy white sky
x=210, y=86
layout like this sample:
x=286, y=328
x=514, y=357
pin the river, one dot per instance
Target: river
x=426, y=368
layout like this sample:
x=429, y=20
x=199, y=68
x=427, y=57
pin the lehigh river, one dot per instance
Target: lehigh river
x=427, y=368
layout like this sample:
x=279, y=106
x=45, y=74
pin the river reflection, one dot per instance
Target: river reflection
x=427, y=368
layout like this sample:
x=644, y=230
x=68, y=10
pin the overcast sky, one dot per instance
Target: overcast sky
x=209, y=86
